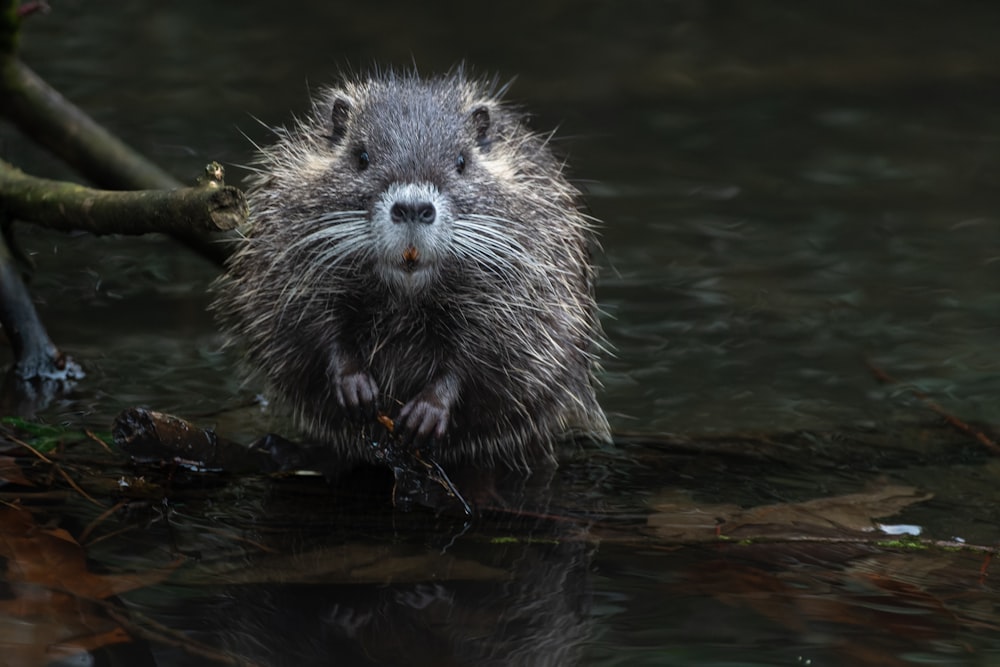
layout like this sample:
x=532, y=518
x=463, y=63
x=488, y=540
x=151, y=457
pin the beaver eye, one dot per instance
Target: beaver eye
x=460, y=163
x=363, y=160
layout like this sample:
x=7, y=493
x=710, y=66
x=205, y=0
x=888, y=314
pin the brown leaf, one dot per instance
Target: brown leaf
x=53, y=610
x=897, y=601
x=53, y=559
x=677, y=518
x=852, y=512
x=12, y=473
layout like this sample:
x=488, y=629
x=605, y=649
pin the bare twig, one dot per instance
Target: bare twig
x=85, y=533
x=93, y=436
x=933, y=406
x=22, y=443
x=76, y=487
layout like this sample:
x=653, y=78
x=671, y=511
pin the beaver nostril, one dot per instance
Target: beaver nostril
x=422, y=212
x=427, y=214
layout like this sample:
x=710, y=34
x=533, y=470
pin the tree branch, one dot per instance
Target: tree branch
x=51, y=120
x=40, y=369
x=68, y=206
x=35, y=355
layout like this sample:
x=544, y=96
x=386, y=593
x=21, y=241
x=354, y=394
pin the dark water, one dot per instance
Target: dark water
x=787, y=191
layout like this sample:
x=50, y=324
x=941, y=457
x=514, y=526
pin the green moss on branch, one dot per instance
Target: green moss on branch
x=51, y=120
x=67, y=206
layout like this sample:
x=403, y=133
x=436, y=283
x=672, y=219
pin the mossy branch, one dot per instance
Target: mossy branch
x=67, y=206
x=51, y=120
x=161, y=205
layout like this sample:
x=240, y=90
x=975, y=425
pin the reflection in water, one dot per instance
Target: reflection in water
x=531, y=609
x=429, y=592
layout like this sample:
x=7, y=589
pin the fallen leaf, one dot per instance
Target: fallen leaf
x=852, y=512
x=677, y=518
x=52, y=608
x=12, y=473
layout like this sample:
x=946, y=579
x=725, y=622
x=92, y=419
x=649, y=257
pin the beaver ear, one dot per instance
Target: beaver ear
x=339, y=114
x=480, y=120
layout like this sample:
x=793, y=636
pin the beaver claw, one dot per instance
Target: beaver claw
x=357, y=394
x=423, y=420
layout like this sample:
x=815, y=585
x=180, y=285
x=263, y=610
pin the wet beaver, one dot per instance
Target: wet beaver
x=415, y=250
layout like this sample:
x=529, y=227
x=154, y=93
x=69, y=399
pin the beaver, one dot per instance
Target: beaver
x=415, y=251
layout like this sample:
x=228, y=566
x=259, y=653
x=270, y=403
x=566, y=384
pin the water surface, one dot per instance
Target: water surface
x=788, y=193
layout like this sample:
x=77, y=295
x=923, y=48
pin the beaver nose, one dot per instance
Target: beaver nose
x=422, y=212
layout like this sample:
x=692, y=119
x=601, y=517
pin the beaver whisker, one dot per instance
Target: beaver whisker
x=327, y=253
x=490, y=247
x=348, y=240
x=488, y=233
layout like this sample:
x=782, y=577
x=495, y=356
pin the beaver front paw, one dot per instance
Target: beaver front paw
x=357, y=394
x=424, y=419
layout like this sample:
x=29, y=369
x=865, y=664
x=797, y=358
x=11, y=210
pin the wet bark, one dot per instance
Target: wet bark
x=55, y=123
x=36, y=357
x=68, y=206
x=48, y=118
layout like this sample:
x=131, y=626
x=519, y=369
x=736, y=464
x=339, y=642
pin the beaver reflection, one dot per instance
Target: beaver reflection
x=501, y=591
x=534, y=613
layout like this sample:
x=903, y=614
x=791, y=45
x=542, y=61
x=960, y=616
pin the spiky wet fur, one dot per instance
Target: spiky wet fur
x=509, y=308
